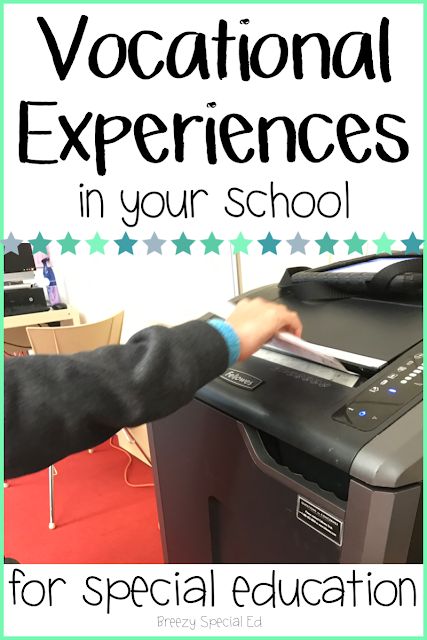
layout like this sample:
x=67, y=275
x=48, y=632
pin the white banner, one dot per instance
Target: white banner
x=377, y=193
x=211, y=600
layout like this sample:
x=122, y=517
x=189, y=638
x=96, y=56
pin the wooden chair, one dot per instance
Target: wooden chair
x=69, y=340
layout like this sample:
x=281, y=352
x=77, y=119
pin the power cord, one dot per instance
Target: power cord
x=125, y=475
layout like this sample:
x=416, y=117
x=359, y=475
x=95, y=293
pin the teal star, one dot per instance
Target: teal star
x=355, y=244
x=68, y=244
x=212, y=244
x=326, y=244
x=125, y=244
x=269, y=244
x=413, y=244
x=384, y=244
x=39, y=243
x=240, y=244
x=97, y=244
x=183, y=244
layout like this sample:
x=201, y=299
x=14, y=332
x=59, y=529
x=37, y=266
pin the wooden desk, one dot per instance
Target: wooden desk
x=29, y=319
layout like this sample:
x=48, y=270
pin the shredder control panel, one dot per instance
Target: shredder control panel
x=386, y=394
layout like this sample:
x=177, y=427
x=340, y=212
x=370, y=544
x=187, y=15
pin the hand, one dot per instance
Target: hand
x=256, y=321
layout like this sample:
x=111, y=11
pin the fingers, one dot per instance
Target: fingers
x=257, y=320
x=278, y=316
x=285, y=319
x=291, y=323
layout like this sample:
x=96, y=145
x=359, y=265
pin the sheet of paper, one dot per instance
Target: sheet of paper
x=288, y=343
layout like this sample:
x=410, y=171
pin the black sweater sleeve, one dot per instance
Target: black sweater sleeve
x=58, y=405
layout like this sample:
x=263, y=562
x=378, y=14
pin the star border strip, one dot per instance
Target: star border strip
x=240, y=244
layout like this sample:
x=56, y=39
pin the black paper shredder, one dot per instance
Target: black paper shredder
x=282, y=460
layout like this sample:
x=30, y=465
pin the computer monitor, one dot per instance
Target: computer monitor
x=20, y=263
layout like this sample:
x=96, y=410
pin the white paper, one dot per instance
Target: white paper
x=295, y=346
x=288, y=343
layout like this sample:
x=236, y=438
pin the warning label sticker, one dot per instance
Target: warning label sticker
x=319, y=520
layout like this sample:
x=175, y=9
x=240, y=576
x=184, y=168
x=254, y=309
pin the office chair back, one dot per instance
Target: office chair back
x=69, y=340
x=83, y=337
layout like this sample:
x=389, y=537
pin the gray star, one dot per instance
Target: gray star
x=298, y=244
x=154, y=244
x=11, y=244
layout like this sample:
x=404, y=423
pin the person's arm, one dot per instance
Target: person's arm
x=58, y=405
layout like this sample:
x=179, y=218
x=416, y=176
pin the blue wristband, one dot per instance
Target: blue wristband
x=230, y=336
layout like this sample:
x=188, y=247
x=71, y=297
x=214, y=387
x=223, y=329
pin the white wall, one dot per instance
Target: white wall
x=151, y=289
x=258, y=271
x=167, y=289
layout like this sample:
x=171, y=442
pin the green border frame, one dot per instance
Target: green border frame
x=244, y=2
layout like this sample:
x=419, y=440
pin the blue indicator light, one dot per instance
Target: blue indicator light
x=362, y=413
x=392, y=390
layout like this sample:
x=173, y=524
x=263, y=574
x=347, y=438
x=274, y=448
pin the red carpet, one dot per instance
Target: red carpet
x=99, y=518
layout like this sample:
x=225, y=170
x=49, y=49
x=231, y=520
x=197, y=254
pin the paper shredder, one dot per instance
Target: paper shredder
x=283, y=460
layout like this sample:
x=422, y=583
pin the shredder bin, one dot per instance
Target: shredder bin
x=285, y=460
x=223, y=499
